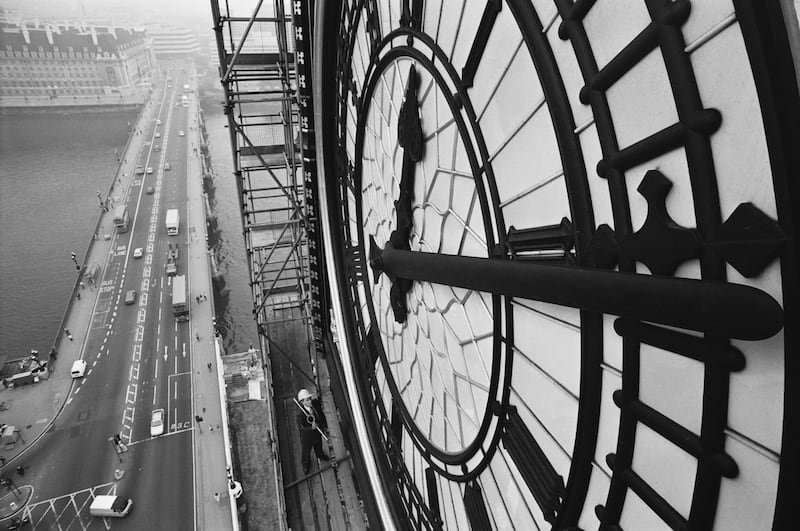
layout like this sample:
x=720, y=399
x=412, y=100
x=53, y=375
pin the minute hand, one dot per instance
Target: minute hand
x=729, y=310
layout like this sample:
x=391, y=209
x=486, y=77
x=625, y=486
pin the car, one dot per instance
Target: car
x=157, y=423
x=157, y=148
x=130, y=296
x=139, y=170
x=158, y=135
x=78, y=369
x=180, y=133
x=166, y=166
x=150, y=190
x=149, y=170
x=137, y=253
x=158, y=122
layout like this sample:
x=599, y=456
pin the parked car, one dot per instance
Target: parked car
x=157, y=423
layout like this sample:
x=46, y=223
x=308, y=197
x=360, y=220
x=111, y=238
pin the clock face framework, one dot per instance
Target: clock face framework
x=497, y=404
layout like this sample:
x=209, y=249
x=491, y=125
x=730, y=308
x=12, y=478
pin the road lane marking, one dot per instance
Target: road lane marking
x=176, y=365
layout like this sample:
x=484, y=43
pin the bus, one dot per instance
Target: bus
x=121, y=218
x=180, y=308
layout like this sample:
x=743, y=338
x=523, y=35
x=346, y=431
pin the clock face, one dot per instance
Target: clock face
x=553, y=289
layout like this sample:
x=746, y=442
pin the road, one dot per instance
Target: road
x=139, y=360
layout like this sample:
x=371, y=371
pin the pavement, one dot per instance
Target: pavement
x=33, y=409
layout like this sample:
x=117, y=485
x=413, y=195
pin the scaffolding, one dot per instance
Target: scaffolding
x=258, y=75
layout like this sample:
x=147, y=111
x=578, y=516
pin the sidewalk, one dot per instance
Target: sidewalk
x=34, y=408
x=215, y=505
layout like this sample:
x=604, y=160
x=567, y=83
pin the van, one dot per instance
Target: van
x=78, y=369
x=108, y=505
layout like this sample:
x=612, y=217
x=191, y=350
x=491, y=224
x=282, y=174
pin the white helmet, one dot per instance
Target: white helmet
x=303, y=394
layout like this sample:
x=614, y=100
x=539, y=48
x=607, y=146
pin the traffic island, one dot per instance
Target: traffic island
x=13, y=502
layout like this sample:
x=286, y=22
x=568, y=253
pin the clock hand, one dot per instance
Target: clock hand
x=728, y=310
x=409, y=136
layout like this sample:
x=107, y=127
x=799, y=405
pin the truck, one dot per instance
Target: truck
x=180, y=308
x=121, y=218
x=110, y=505
x=173, y=221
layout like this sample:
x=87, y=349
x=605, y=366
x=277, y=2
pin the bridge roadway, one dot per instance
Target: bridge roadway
x=139, y=358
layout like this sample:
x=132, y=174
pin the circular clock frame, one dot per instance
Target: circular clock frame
x=589, y=250
x=500, y=366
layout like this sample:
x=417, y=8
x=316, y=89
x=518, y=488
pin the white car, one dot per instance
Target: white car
x=137, y=253
x=157, y=423
x=166, y=166
x=78, y=369
x=149, y=170
x=158, y=135
x=180, y=133
x=158, y=122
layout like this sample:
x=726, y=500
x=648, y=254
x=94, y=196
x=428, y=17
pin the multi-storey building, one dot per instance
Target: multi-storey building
x=59, y=60
x=171, y=42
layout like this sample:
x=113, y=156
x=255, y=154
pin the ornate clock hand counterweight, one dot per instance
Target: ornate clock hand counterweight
x=729, y=310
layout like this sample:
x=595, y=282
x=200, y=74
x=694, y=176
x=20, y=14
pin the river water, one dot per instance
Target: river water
x=51, y=167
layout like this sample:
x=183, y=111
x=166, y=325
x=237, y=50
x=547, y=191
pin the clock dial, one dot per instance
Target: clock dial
x=553, y=289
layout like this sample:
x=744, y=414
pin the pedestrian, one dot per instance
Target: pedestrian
x=311, y=422
x=21, y=470
x=66, y=331
x=78, y=295
x=197, y=335
x=209, y=366
x=216, y=497
x=82, y=285
x=2, y=461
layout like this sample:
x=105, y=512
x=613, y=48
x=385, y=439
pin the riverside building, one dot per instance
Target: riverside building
x=71, y=64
